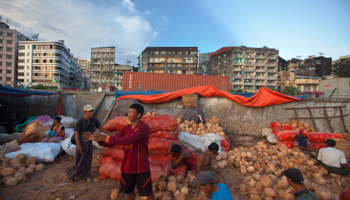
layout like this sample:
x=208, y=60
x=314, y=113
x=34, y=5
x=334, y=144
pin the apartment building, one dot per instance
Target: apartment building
x=85, y=68
x=204, y=64
x=48, y=63
x=75, y=74
x=119, y=70
x=102, y=67
x=304, y=83
x=249, y=68
x=9, y=39
x=174, y=60
x=311, y=66
x=344, y=58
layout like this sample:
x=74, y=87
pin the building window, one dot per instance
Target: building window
x=8, y=78
x=27, y=60
x=27, y=73
x=0, y=78
x=9, y=49
x=8, y=71
x=1, y=33
x=27, y=67
x=0, y=55
x=8, y=64
x=0, y=63
x=9, y=41
x=0, y=71
x=8, y=56
x=1, y=41
x=9, y=34
x=28, y=54
x=1, y=48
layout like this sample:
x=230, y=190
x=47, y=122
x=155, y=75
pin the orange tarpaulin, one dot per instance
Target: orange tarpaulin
x=264, y=97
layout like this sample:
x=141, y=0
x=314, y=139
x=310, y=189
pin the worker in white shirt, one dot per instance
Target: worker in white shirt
x=332, y=159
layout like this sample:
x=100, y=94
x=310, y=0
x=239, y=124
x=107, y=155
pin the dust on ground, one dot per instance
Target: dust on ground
x=53, y=182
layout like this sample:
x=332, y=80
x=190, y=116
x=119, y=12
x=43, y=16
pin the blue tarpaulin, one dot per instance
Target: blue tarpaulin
x=118, y=93
x=18, y=92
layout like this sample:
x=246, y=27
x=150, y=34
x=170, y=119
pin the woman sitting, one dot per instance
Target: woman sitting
x=56, y=133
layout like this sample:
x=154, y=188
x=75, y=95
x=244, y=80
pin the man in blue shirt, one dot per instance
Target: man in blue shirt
x=205, y=182
x=304, y=144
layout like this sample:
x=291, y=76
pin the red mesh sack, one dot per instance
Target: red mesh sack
x=159, y=146
x=276, y=126
x=169, y=135
x=289, y=144
x=161, y=123
x=116, y=124
x=321, y=137
x=226, y=144
x=287, y=135
x=287, y=127
x=109, y=167
x=344, y=195
x=318, y=145
x=159, y=158
x=181, y=170
x=114, y=153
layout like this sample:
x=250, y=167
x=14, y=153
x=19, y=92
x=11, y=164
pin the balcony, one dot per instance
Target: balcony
x=260, y=83
x=261, y=70
x=249, y=77
x=237, y=76
x=237, y=69
x=272, y=71
x=261, y=63
x=249, y=69
x=261, y=57
x=271, y=84
x=249, y=63
x=272, y=57
x=238, y=55
x=261, y=77
x=306, y=81
x=249, y=83
x=272, y=77
x=238, y=63
x=272, y=64
x=250, y=56
x=237, y=83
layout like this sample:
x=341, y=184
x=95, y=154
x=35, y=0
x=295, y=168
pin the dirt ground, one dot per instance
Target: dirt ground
x=52, y=182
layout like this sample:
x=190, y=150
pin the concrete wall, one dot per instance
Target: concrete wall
x=234, y=117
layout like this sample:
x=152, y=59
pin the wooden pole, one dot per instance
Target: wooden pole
x=312, y=118
x=342, y=118
x=326, y=116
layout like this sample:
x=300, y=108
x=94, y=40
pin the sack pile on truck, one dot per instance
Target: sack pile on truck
x=163, y=132
x=285, y=133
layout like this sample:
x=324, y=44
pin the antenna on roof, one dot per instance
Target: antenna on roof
x=128, y=61
x=7, y=21
x=35, y=36
x=321, y=53
x=298, y=57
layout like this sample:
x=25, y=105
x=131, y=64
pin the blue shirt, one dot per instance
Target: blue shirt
x=222, y=194
x=302, y=141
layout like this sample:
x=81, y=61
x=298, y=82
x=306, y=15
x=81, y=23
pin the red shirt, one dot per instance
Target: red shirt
x=135, y=143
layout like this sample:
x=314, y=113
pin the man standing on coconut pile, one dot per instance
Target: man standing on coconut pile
x=304, y=144
x=204, y=160
x=135, y=166
x=205, y=182
x=332, y=159
x=296, y=180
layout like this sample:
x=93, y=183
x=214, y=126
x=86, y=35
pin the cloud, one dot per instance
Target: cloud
x=83, y=24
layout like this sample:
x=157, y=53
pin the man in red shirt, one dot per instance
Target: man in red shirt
x=135, y=165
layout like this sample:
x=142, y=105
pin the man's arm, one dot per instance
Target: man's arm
x=9, y=147
x=179, y=160
x=343, y=162
x=104, y=131
x=200, y=162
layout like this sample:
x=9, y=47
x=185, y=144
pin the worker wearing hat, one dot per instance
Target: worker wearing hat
x=296, y=180
x=205, y=182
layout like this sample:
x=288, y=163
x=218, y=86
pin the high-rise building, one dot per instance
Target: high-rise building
x=48, y=63
x=85, y=68
x=102, y=67
x=174, y=60
x=119, y=70
x=249, y=68
x=9, y=39
x=311, y=66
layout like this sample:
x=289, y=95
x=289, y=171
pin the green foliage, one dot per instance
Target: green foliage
x=238, y=91
x=290, y=90
x=342, y=69
x=39, y=87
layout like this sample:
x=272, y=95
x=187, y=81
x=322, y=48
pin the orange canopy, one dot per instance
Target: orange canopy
x=264, y=97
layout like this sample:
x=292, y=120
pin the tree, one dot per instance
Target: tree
x=290, y=90
x=342, y=69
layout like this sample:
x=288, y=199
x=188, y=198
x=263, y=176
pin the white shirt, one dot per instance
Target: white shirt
x=331, y=157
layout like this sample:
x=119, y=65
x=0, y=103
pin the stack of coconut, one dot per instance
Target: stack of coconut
x=150, y=114
x=262, y=166
x=297, y=125
x=211, y=125
x=15, y=171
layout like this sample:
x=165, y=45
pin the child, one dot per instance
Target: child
x=56, y=133
x=83, y=156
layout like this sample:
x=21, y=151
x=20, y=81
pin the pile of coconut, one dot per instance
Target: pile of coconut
x=173, y=187
x=150, y=114
x=262, y=166
x=15, y=171
x=297, y=125
x=211, y=125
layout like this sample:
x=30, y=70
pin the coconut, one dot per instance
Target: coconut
x=114, y=194
x=243, y=154
x=290, y=165
x=266, y=181
x=185, y=191
x=8, y=171
x=316, y=175
x=242, y=188
x=310, y=163
x=323, y=170
x=245, y=163
x=29, y=171
x=172, y=178
x=30, y=161
x=278, y=173
x=243, y=170
x=15, y=160
x=20, y=176
x=167, y=196
x=39, y=167
x=253, y=190
x=5, y=159
x=180, y=178
x=314, y=169
x=159, y=195
x=218, y=157
x=161, y=186
x=259, y=186
x=254, y=197
x=200, y=197
x=323, y=193
x=289, y=194
x=22, y=169
x=20, y=156
x=335, y=175
x=308, y=174
x=249, y=181
x=308, y=183
x=270, y=192
x=256, y=165
x=11, y=182
x=251, y=169
x=32, y=166
x=283, y=183
x=320, y=180
x=256, y=176
x=179, y=196
x=280, y=193
x=273, y=177
x=172, y=186
x=17, y=165
x=222, y=164
x=231, y=160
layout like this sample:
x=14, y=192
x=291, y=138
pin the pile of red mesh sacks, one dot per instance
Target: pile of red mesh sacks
x=163, y=131
x=285, y=135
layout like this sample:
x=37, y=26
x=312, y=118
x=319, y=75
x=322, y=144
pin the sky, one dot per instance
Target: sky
x=294, y=27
